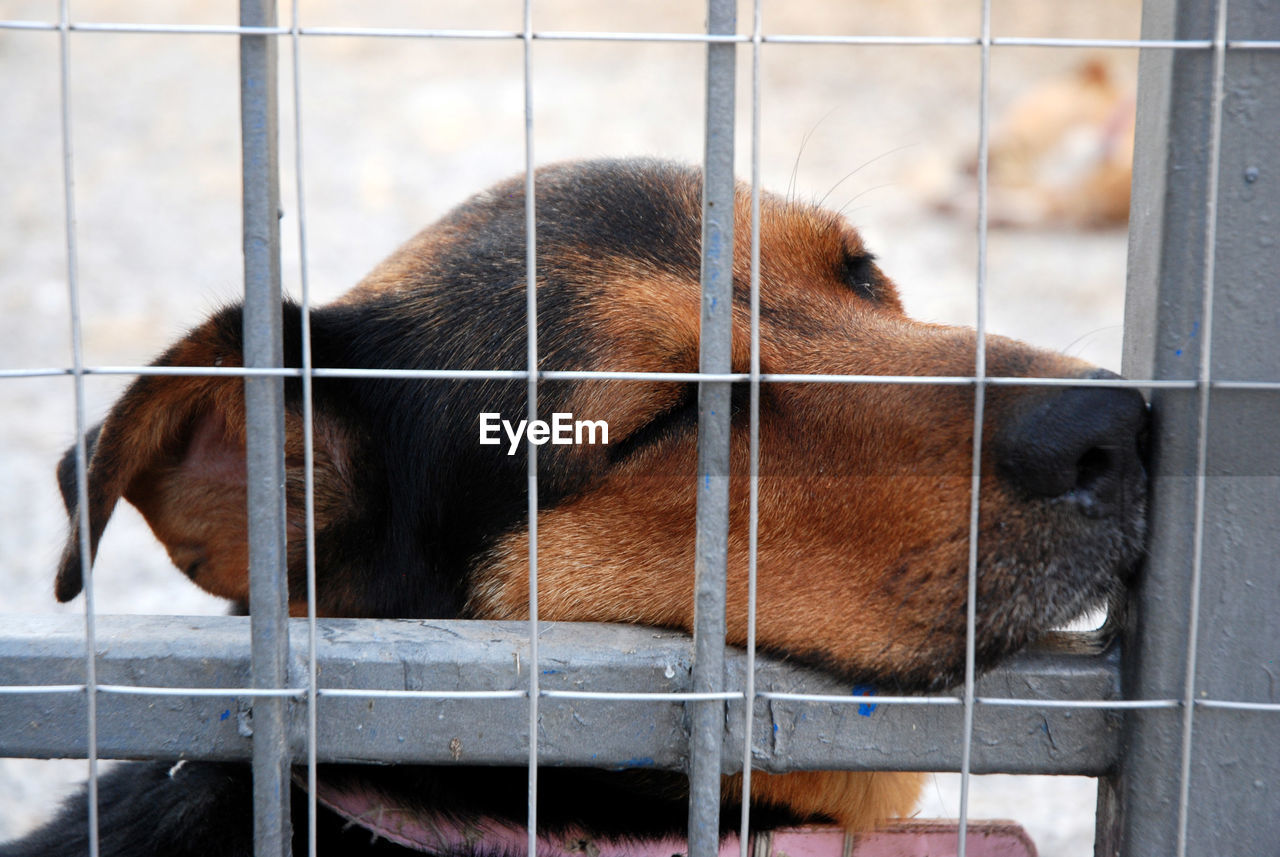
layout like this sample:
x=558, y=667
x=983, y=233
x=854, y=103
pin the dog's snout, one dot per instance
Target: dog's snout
x=1081, y=444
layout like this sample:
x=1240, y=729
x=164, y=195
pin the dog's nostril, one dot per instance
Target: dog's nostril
x=1080, y=443
x=1093, y=466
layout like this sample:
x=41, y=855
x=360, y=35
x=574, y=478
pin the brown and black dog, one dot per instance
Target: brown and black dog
x=864, y=488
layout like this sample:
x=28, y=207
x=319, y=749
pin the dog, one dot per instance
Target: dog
x=1061, y=155
x=864, y=491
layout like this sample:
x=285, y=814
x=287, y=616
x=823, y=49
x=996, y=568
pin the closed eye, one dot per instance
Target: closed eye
x=858, y=271
x=680, y=416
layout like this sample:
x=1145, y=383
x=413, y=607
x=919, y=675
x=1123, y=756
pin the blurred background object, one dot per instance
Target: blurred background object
x=1061, y=154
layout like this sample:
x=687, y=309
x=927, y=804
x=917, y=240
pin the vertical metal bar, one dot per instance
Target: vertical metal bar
x=264, y=414
x=1202, y=424
x=531, y=357
x=1214, y=524
x=82, y=455
x=979, y=408
x=308, y=436
x=753, y=512
x=711, y=551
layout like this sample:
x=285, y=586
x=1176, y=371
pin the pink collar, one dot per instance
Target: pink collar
x=421, y=831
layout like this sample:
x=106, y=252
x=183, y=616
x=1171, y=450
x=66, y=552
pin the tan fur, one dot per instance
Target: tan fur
x=855, y=800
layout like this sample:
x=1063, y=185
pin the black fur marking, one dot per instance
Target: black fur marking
x=202, y=809
x=680, y=417
x=67, y=481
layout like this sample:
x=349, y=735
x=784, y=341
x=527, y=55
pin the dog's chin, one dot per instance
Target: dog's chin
x=1050, y=578
x=1042, y=598
x=1048, y=597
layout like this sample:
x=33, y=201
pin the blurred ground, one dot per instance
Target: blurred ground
x=395, y=131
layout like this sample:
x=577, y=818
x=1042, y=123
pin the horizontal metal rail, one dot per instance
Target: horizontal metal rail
x=370, y=708
x=611, y=36
x=655, y=377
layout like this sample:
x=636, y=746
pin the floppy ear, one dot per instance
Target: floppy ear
x=174, y=447
x=170, y=440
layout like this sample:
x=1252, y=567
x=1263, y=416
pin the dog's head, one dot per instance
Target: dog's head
x=864, y=501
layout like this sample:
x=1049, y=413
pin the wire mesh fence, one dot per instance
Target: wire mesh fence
x=1193, y=686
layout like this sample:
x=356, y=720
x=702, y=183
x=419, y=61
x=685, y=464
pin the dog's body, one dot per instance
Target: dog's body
x=1061, y=155
x=864, y=488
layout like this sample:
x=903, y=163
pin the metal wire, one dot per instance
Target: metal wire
x=423, y=694
x=1238, y=706
x=1112, y=704
x=672, y=377
x=869, y=699
x=308, y=441
x=531, y=321
x=81, y=450
x=568, y=35
x=637, y=696
x=753, y=441
x=1202, y=427
x=248, y=692
x=979, y=408
x=656, y=696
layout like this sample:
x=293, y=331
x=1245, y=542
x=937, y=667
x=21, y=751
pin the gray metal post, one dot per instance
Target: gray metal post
x=264, y=410
x=1201, y=623
x=707, y=717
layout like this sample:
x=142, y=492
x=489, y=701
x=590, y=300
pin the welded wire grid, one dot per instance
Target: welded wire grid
x=710, y=621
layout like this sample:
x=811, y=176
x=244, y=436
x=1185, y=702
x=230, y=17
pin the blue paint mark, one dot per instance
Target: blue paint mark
x=713, y=303
x=551, y=672
x=775, y=729
x=708, y=480
x=638, y=762
x=1195, y=331
x=865, y=708
x=225, y=714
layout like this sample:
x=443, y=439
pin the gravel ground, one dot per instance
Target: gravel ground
x=397, y=131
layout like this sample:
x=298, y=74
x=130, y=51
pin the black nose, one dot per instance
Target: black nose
x=1082, y=444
